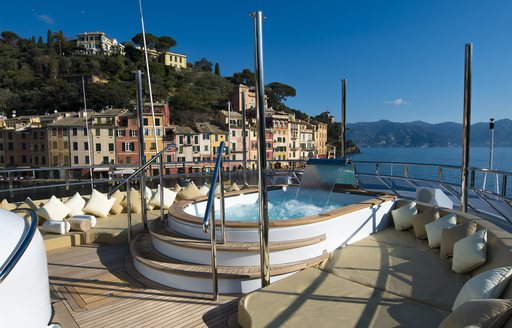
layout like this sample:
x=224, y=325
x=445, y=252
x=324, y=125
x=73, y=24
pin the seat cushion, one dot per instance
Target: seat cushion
x=397, y=238
x=414, y=273
x=480, y=313
x=315, y=298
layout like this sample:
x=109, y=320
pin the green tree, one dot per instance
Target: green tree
x=59, y=38
x=40, y=43
x=151, y=40
x=203, y=65
x=245, y=77
x=32, y=42
x=165, y=43
x=49, y=39
x=277, y=93
x=10, y=38
x=217, y=69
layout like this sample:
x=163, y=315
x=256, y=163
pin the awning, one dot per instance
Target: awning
x=101, y=169
x=126, y=171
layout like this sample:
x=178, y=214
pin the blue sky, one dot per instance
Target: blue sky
x=403, y=60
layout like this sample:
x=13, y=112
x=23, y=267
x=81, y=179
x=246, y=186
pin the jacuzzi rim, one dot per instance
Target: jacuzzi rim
x=177, y=210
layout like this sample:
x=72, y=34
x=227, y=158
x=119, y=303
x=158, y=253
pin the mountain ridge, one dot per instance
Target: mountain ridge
x=385, y=133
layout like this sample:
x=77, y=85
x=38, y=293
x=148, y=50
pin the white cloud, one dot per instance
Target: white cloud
x=45, y=19
x=397, y=102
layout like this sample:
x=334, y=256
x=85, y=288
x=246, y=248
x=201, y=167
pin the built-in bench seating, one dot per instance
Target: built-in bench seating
x=388, y=279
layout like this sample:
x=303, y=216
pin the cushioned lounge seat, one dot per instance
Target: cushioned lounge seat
x=315, y=298
x=416, y=273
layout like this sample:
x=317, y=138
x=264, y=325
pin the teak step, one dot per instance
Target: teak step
x=161, y=230
x=142, y=250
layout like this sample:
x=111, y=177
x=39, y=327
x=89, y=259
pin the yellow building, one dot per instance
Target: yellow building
x=175, y=60
x=151, y=131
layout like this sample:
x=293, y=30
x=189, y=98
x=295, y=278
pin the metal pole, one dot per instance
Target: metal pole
x=466, y=128
x=229, y=138
x=343, y=116
x=491, y=150
x=129, y=209
x=222, y=207
x=213, y=240
x=262, y=144
x=161, y=186
x=88, y=135
x=245, y=139
x=142, y=158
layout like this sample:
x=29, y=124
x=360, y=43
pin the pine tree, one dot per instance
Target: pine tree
x=49, y=39
x=40, y=43
x=217, y=69
x=32, y=42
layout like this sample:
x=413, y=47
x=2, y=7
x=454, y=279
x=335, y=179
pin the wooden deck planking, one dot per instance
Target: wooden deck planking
x=94, y=270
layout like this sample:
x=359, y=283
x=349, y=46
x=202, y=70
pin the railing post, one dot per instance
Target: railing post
x=161, y=170
x=66, y=179
x=466, y=128
x=129, y=209
x=213, y=239
x=11, y=186
x=472, y=179
x=406, y=171
x=222, y=206
x=504, y=185
x=440, y=174
x=376, y=168
x=142, y=157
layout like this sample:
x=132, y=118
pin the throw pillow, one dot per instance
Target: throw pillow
x=435, y=229
x=470, y=252
x=78, y=224
x=190, y=192
x=90, y=218
x=5, y=205
x=479, y=313
x=29, y=204
x=204, y=190
x=135, y=203
x=234, y=187
x=53, y=226
x=419, y=220
x=99, y=204
x=485, y=285
x=168, y=199
x=177, y=188
x=402, y=216
x=117, y=207
x=53, y=210
x=449, y=236
x=75, y=204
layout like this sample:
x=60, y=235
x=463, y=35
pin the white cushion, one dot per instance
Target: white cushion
x=99, y=204
x=470, y=252
x=435, y=229
x=486, y=285
x=204, y=190
x=56, y=226
x=402, y=216
x=91, y=218
x=148, y=194
x=169, y=197
x=75, y=204
x=53, y=210
x=234, y=187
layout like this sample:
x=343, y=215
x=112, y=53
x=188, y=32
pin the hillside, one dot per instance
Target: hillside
x=421, y=134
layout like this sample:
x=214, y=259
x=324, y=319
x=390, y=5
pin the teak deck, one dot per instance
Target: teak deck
x=92, y=288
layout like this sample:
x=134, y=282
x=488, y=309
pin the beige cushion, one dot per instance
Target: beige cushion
x=5, y=205
x=420, y=219
x=470, y=252
x=435, y=229
x=99, y=204
x=90, y=218
x=29, y=204
x=451, y=235
x=415, y=273
x=75, y=204
x=53, y=210
x=402, y=216
x=190, y=192
x=177, y=188
x=117, y=207
x=234, y=187
x=56, y=226
x=135, y=202
x=312, y=298
x=78, y=224
x=480, y=313
x=169, y=197
x=204, y=190
x=486, y=285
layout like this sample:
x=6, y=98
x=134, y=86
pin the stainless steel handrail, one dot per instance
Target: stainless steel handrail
x=128, y=180
x=18, y=252
x=210, y=211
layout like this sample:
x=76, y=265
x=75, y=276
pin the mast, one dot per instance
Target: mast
x=466, y=128
x=88, y=135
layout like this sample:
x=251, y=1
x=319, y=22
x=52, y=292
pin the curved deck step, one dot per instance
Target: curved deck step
x=161, y=231
x=142, y=251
